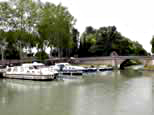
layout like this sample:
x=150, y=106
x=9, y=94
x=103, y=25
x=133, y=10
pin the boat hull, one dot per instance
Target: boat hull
x=30, y=77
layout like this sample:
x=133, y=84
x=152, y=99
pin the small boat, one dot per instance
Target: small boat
x=30, y=71
x=67, y=67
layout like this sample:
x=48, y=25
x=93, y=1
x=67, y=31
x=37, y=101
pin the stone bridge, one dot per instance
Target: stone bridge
x=111, y=60
x=107, y=60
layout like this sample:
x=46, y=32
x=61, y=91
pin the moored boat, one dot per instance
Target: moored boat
x=67, y=67
x=30, y=72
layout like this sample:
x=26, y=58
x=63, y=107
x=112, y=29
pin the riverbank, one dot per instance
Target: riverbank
x=94, y=65
x=149, y=68
x=146, y=68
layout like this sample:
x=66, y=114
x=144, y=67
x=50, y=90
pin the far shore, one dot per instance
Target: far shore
x=146, y=68
x=149, y=68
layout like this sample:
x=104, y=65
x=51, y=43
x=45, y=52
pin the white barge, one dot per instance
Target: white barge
x=30, y=72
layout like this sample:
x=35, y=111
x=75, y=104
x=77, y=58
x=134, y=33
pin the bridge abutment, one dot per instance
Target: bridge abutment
x=116, y=61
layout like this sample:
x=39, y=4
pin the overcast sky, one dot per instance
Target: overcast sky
x=133, y=18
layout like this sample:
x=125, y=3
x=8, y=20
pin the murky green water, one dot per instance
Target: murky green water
x=109, y=93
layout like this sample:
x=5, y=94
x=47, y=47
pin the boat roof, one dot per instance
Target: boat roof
x=32, y=64
x=36, y=63
x=61, y=63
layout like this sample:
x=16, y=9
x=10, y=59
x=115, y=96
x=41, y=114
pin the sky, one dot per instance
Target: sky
x=133, y=18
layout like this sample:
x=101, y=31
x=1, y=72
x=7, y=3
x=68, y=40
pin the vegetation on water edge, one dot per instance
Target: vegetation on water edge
x=149, y=67
x=132, y=62
x=152, y=43
x=94, y=65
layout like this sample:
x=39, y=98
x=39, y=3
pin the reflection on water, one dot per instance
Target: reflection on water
x=107, y=93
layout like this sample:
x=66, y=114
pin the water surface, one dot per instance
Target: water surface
x=106, y=93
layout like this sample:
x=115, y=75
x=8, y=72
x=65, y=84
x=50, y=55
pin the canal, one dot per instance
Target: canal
x=106, y=93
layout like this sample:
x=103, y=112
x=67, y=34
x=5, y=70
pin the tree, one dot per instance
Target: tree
x=87, y=41
x=34, y=24
x=75, y=36
x=105, y=40
x=138, y=49
x=42, y=55
x=26, y=13
x=5, y=16
x=55, y=27
x=152, y=43
x=2, y=44
x=18, y=20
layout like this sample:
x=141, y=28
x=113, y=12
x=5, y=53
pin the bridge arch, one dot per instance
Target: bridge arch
x=129, y=62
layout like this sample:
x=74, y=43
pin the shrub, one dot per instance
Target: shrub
x=42, y=55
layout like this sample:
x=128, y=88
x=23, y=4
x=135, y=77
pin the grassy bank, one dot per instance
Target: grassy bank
x=94, y=65
x=149, y=67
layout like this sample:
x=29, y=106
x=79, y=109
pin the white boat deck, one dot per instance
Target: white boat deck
x=30, y=72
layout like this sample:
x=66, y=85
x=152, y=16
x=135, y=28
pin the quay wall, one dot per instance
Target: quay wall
x=108, y=60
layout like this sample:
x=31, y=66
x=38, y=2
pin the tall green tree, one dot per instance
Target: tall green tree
x=75, y=36
x=3, y=44
x=55, y=26
x=26, y=13
x=14, y=19
x=35, y=24
x=87, y=41
x=20, y=17
x=6, y=13
x=138, y=49
x=152, y=43
x=106, y=40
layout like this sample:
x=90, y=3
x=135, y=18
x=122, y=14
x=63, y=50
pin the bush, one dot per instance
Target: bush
x=41, y=55
x=11, y=53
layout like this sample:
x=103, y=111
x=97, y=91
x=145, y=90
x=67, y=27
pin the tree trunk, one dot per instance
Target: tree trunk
x=59, y=52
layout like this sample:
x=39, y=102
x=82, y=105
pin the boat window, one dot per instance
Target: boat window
x=9, y=69
x=28, y=71
x=62, y=65
x=15, y=69
x=35, y=67
x=21, y=69
x=30, y=67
